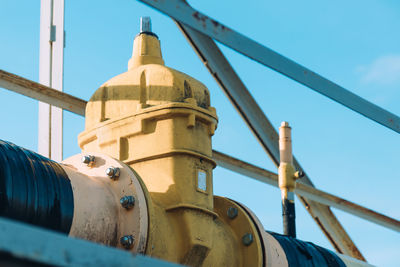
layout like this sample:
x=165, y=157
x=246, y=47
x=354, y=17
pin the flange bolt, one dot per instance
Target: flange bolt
x=113, y=172
x=127, y=202
x=127, y=241
x=247, y=239
x=232, y=212
x=88, y=160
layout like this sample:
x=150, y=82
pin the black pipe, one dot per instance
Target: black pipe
x=34, y=189
x=289, y=216
x=304, y=254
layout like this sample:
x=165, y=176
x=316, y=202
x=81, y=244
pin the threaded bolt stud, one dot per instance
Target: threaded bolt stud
x=127, y=241
x=113, y=172
x=127, y=202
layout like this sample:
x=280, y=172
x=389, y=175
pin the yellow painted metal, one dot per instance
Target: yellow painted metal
x=242, y=226
x=159, y=121
x=286, y=171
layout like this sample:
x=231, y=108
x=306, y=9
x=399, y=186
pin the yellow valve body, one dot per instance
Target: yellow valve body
x=159, y=122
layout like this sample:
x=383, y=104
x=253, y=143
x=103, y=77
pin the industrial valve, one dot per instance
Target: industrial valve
x=144, y=179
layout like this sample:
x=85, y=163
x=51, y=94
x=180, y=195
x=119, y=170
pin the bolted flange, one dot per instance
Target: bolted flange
x=88, y=160
x=127, y=241
x=113, y=172
x=127, y=202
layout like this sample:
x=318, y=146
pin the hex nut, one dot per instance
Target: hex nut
x=232, y=212
x=88, y=160
x=247, y=239
x=127, y=241
x=113, y=172
x=299, y=174
x=127, y=202
x=284, y=124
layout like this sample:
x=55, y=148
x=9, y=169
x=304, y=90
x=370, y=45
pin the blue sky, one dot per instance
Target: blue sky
x=354, y=43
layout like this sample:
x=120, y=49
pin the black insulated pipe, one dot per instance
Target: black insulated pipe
x=34, y=189
x=289, y=216
x=307, y=254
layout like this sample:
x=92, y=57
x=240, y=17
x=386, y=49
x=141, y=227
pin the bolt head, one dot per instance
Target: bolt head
x=247, y=239
x=232, y=212
x=127, y=241
x=113, y=172
x=127, y=202
x=88, y=159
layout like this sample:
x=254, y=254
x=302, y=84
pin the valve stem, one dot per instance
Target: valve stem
x=145, y=25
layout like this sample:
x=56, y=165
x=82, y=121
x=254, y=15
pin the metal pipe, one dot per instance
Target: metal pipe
x=286, y=179
x=34, y=189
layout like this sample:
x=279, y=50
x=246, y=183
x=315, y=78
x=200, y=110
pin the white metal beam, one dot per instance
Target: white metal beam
x=51, y=71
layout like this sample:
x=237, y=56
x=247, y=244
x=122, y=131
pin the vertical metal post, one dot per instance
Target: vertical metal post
x=51, y=71
x=287, y=180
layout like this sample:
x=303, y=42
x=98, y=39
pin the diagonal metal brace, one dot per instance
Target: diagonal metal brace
x=182, y=12
x=254, y=117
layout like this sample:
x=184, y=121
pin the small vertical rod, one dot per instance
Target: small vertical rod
x=287, y=181
x=145, y=24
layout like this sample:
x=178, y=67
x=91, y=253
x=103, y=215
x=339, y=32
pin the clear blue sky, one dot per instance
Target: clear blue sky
x=354, y=43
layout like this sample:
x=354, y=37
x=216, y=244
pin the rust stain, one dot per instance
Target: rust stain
x=198, y=16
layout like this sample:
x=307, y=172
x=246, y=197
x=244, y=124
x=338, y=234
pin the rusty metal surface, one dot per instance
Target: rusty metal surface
x=42, y=93
x=182, y=12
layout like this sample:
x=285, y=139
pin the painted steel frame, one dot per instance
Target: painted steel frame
x=200, y=30
x=179, y=10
